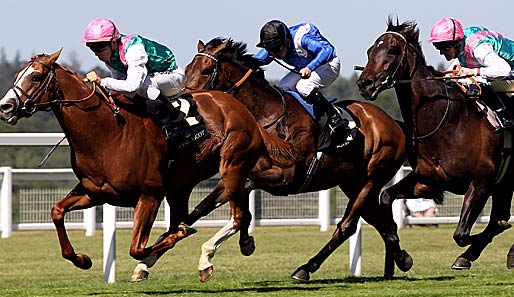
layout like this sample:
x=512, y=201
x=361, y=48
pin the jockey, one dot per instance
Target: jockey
x=137, y=65
x=313, y=57
x=480, y=52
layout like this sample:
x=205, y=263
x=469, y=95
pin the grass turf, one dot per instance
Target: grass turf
x=31, y=265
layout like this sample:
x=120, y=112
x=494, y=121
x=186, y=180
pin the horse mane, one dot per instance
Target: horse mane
x=236, y=51
x=410, y=31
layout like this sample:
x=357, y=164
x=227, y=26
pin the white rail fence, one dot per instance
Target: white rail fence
x=25, y=205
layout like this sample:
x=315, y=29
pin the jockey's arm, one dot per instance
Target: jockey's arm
x=494, y=66
x=136, y=58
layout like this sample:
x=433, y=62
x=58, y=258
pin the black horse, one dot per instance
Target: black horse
x=452, y=148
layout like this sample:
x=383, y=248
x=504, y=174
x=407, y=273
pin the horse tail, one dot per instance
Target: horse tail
x=280, y=151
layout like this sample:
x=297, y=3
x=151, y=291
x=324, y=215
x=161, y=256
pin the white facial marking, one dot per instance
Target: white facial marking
x=19, y=80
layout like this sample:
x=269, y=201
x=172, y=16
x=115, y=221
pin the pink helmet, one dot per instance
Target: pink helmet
x=447, y=29
x=100, y=30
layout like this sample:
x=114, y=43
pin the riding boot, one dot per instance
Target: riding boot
x=494, y=101
x=164, y=114
x=335, y=121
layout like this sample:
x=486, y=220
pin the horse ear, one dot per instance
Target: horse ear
x=200, y=46
x=53, y=57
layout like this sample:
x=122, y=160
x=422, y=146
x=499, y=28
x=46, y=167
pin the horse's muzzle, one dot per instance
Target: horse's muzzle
x=8, y=111
x=367, y=89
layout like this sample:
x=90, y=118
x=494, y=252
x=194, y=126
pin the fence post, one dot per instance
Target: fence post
x=356, y=251
x=324, y=210
x=90, y=221
x=109, y=242
x=167, y=217
x=6, y=202
x=251, y=206
x=398, y=212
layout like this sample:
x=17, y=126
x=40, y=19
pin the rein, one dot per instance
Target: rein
x=390, y=82
x=214, y=76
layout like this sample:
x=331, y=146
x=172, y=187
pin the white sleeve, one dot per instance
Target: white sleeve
x=136, y=59
x=494, y=65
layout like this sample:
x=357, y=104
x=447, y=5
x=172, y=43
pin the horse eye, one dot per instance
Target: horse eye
x=207, y=71
x=36, y=78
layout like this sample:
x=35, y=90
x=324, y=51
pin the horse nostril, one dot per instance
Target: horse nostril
x=361, y=83
x=6, y=107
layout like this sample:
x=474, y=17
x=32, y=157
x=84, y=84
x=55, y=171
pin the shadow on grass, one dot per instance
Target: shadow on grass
x=285, y=285
x=249, y=289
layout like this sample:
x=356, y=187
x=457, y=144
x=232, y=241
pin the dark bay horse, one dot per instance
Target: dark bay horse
x=451, y=148
x=361, y=169
x=120, y=156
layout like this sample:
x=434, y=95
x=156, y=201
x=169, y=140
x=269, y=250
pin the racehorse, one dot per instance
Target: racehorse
x=360, y=169
x=120, y=156
x=452, y=148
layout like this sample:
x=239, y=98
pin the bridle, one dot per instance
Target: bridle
x=28, y=107
x=215, y=74
x=32, y=102
x=391, y=81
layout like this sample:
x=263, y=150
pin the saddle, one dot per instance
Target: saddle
x=331, y=138
x=179, y=119
x=339, y=130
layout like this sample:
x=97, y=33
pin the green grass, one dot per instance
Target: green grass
x=31, y=265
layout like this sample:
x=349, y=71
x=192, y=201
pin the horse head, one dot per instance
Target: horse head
x=391, y=57
x=29, y=91
x=219, y=65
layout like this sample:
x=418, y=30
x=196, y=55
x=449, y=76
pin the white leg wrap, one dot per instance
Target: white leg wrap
x=212, y=245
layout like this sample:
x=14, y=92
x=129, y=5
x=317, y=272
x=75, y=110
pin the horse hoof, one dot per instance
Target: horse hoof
x=139, y=276
x=388, y=276
x=206, y=274
x=83, y=261
x=247, y=247
x=461, y=264
x=301, y=275
x=404, y=261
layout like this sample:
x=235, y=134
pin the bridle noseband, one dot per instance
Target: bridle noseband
x=28, y=107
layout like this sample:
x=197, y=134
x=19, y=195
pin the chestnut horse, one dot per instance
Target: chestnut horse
x=360, y=169
x=452, y=148
x=120, y=155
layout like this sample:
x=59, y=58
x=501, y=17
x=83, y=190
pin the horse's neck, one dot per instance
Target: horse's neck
x=263, y=101
x=426, y=103
x=87, y=120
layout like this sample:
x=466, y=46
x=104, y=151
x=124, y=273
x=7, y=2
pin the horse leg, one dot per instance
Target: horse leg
x=178, y=209
x=75, y=200
x=211, y=202
x=500, y=214
x=345, y=228
x=145, y=213
x=404, y=187
x=375, y=215
x=205, y=267
x=474, y=202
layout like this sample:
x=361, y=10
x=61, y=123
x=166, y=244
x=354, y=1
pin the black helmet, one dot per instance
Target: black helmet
x=274, y=34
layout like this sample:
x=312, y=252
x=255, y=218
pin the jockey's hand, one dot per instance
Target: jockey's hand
x=93, y=77
x=305, y=72
x=463, y=71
